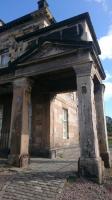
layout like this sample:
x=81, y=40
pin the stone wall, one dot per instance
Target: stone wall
x=47, y=126
x=6, y=102
x=60, y=146
x=35, y=21
x=39, y=140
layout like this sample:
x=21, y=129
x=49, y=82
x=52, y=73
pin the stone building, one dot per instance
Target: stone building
x=51, y=91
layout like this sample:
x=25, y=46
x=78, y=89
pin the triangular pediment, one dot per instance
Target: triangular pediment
x=47, y=50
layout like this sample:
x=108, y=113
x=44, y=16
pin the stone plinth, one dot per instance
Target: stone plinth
x=91, y=168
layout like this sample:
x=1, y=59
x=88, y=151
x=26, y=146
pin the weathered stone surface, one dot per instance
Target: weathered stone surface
x=64, y=147
x=19, y=123
x=90, y=162
x=61, y=58
x=101, y=124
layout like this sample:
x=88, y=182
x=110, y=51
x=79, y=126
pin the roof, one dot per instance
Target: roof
x=73, y=20
x=24, y=19
x=76, y=19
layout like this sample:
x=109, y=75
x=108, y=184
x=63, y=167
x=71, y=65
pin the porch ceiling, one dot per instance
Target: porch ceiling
x=6, y=89
x=55, y=82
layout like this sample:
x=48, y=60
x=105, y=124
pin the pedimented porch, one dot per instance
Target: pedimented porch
x=58, y=68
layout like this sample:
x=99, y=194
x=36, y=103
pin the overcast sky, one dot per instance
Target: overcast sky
x=101, y=15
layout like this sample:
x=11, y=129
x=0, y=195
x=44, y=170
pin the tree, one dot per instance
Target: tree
x=109, y=125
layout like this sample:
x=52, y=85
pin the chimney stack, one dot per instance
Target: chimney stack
x=42, y=4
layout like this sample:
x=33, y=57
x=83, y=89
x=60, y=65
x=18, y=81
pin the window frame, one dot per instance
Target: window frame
x=65, y=123
x=4, y=59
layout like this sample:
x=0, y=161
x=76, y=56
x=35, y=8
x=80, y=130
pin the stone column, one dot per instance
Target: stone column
x=101, y=125
x=52, y=121
x=90, y=164
x=19, y=153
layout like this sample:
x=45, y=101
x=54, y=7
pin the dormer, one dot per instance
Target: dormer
x=42, y=4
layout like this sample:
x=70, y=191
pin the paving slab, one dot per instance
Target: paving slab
x=47, y=179
x=43, y=180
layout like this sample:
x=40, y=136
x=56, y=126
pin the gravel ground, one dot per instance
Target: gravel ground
x=82, y=189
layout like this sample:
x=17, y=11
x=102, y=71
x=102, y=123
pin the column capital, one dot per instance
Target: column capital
x=23, y=82
x=100, y=88
x=86, y=69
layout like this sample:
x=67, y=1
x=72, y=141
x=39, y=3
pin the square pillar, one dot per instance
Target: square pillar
x=101, y=125
x=90, y=163
x=52, y=131
x=19, y=151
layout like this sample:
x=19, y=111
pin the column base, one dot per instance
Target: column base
x=91, y=168
x=106, y=158
x=52, y=154
x=19, y=160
